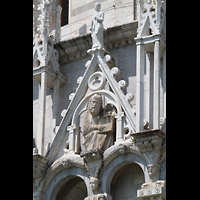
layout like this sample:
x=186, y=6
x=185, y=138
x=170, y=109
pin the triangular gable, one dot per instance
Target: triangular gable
x=148, y=23
x=60, y=135
x=152, y=18
x=67, y=124
x=50, y=60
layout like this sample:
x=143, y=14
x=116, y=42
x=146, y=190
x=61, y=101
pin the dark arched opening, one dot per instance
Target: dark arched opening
x=74, y=188
x=126, y=181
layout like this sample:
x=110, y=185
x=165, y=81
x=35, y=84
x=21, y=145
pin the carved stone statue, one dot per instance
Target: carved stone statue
x=98, y=125
x=97, y=28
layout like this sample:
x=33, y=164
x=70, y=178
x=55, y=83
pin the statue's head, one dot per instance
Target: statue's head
x=152, y=169
x=97, y=6
x=94, y=183
x=95, y=104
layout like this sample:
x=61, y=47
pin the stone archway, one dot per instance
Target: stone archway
x=117, y=164
x=67, y=181
x=126, y=181
x=74, y=188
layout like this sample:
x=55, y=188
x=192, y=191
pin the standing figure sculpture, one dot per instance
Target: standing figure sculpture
x=97, y=28
x=98, y=127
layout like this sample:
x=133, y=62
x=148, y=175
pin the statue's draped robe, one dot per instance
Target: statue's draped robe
x=97, y=31
x=94, y=138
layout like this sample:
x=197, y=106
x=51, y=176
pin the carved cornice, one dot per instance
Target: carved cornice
x=115, y=37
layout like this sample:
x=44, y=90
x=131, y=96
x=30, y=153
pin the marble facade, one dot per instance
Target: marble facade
x=99, y=107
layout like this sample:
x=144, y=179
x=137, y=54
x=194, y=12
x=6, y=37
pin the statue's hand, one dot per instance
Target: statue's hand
x=101, y=127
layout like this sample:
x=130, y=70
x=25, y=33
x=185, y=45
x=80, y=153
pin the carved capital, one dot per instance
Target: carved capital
x=71, y=128
x=119, y=116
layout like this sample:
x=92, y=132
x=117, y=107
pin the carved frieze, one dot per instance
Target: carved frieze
x=152, y=190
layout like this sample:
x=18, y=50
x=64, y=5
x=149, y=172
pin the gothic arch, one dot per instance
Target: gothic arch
x=118, y=163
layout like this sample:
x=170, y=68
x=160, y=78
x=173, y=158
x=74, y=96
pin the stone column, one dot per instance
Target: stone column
x=156, y=97
x=34, y=9
x=55, y=103
x=140, y=88
x=164, y=83
x=119, y=131
x=58, y=23
x=71, y=138
x=149, y=89
x=42, y=109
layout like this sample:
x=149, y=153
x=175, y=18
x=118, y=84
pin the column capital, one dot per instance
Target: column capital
x=71, y=128
x=119, y=115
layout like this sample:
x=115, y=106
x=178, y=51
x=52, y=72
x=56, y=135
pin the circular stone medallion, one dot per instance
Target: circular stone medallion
x=96, y=81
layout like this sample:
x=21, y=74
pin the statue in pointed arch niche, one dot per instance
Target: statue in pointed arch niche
x=97, y=28
x=98, y=125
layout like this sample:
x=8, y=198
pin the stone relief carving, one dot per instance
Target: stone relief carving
x=98, y=125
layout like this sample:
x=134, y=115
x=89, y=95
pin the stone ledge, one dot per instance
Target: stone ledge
x=51, y=76
x=115, y=37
